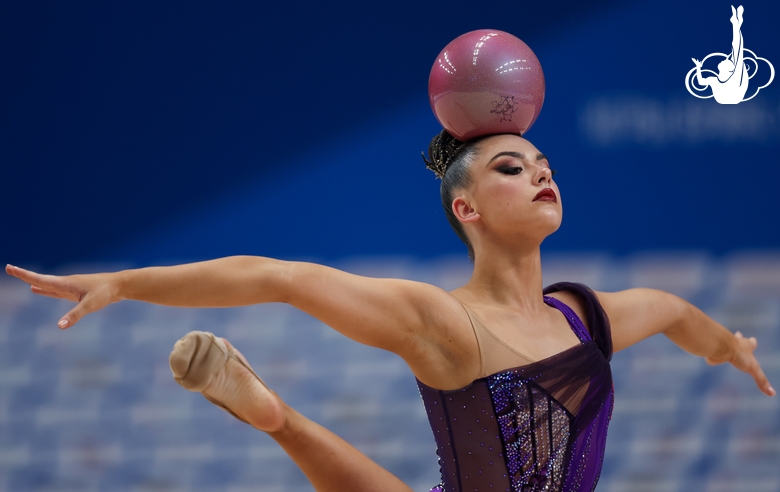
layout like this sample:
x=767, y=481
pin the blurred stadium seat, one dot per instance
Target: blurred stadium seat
x=95, y=407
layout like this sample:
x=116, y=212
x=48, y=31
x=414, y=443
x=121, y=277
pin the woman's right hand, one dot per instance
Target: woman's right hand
x=90, y=292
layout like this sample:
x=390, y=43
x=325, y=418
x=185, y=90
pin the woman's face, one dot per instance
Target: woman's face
x=507, y=175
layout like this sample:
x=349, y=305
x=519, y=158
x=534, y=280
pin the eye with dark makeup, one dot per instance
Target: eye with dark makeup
x=510, y=170
x=513, y=170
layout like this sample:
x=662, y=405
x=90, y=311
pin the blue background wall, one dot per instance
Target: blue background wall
x=149, y=132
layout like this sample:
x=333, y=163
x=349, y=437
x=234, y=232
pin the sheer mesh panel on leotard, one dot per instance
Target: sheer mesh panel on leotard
x=538, y=426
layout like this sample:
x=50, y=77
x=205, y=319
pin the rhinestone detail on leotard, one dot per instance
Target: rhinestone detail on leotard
x=535, y=428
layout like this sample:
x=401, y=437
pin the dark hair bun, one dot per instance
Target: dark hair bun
x=442, y=150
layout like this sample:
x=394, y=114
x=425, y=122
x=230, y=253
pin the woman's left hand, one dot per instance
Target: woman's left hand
x=742, y=358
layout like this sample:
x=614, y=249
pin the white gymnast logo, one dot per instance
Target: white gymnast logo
x=735, y=70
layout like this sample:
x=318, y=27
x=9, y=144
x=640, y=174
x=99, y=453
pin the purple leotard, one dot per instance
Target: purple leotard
x=540, y=426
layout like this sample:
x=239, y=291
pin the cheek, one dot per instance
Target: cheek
x=505, y=196
x=505, y=190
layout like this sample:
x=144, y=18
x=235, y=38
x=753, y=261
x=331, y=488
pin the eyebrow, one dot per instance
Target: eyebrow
x=517, y=155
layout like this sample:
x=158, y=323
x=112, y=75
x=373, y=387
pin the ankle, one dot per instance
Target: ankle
x=289, y=416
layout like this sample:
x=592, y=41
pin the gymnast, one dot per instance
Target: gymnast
x=515, y=377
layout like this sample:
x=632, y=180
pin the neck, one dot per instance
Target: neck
x=507, y=278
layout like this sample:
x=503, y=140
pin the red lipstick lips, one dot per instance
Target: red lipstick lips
x=547, y=195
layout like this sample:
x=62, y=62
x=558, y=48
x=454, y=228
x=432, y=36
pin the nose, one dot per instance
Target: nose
x=545, y=174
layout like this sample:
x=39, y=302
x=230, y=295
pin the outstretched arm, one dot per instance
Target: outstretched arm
x=636, y=314
x=233, y=281
x=415, y=320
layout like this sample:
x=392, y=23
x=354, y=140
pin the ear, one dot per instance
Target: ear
x=463, y=210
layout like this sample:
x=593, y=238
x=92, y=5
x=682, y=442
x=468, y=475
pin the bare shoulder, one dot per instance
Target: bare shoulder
x=444, y=317
x=414, y=320
x=444, y=352
x=575, y=302
x=425, y=325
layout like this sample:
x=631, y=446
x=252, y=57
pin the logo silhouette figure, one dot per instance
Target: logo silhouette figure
x=730, y=84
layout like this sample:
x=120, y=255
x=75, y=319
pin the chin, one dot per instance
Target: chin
x=545, y=229
x=552, y=230
x=553, y=219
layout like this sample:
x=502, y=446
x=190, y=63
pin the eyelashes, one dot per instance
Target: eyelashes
x=516, y=170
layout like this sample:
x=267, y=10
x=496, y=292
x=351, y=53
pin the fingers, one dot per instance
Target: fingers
x=761, y=381
x=752, y=341
x=22, y=274
x=13, y=271
x=758, y=374
x=31, y=278
x=753, y=367
x=90, y=295
x=48, y=285
x=44, y=292
x=74, y=315
x=93, y=301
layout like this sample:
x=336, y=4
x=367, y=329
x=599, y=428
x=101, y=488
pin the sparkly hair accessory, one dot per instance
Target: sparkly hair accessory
x=442, y=150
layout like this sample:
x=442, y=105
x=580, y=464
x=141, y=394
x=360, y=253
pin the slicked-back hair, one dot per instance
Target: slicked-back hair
x=451, y=161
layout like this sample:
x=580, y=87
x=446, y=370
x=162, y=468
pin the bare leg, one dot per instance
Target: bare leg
x=328, y=461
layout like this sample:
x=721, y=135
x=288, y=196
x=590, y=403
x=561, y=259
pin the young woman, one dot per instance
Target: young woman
x=515, y=378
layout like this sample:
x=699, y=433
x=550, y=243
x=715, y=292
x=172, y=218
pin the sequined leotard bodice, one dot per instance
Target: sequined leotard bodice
x=537, y=426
